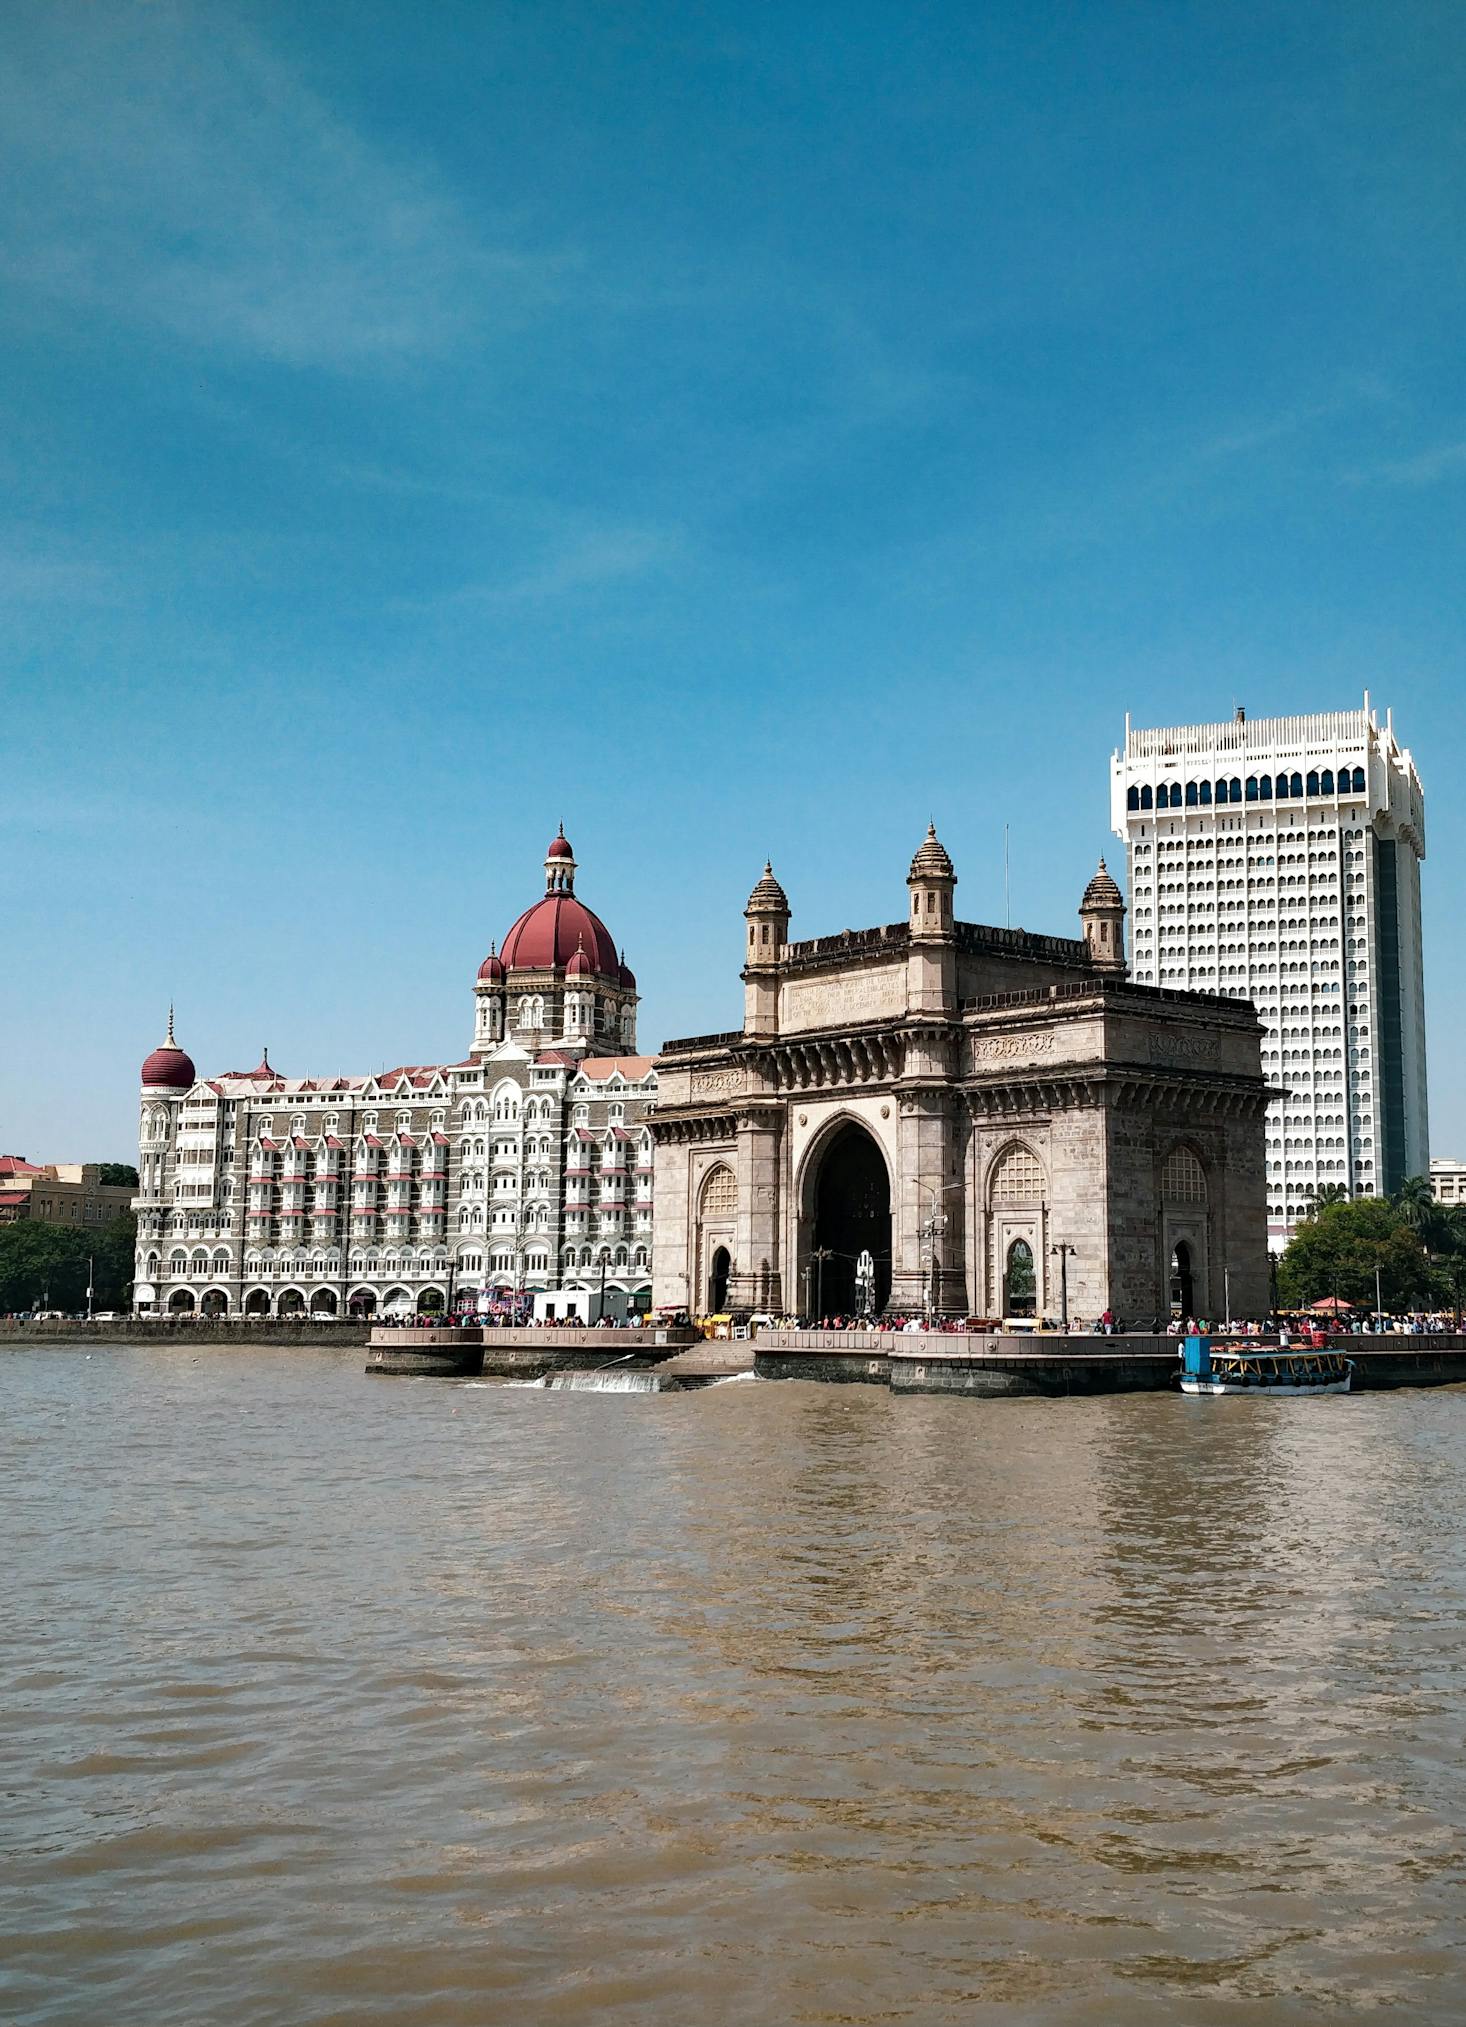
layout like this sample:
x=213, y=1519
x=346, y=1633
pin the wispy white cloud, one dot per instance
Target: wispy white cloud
x=578, y=559
x=165, y=170
x=1426, y=468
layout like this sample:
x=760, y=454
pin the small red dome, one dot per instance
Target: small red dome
x=580, y=965
x=168, y=1068
x=491, y=971
x=560, y=846
x=547, y=936
x=625, y=976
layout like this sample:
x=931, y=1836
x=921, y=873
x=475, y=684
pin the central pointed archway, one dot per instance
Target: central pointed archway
x=850, y=1214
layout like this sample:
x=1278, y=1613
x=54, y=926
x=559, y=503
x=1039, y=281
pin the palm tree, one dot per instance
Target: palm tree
x=1416, y=1202
x=1326, y=1193
x=1418, y=1207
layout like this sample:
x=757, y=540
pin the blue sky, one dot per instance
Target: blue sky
x=730, y=429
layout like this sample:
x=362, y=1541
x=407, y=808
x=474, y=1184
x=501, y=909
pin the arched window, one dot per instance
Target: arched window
x=1326, y=781
x=1295, y=786
x=1017, y=1177
x=1175, y=795
x=1252, y=788
x=1163, y=797
x=719, y=1197
x=1132, y=798
x=1313, y=781
x=1145, y=797
x=1265, y=788
x=1183, y=1179
x=1358, y=783
x=1191, y=796
x=1236, y=788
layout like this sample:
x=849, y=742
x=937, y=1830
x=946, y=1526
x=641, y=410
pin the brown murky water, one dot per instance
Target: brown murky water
x=331, y=1700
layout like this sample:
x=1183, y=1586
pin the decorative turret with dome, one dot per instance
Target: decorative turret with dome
x=931, y=881
x=521, y=991
x=168, y=1068
x=931, y=962
x=767, y=916
x=1102, y=914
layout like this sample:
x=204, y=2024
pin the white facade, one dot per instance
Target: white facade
x=1448, y=1180
x=1278, y=860
x=524, y=1168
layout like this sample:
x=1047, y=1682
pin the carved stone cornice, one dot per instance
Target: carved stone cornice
x=1117, y=1084
x=683, y=1125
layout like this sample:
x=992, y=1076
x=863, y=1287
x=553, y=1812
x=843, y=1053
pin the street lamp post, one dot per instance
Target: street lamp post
x=601, y=1297
x=819, y=1257
x=91, y=1278
x=931, y=1226
x=1378, y=1298
x=1065, y=1253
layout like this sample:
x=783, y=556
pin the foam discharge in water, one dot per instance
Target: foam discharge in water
x=611, y=1382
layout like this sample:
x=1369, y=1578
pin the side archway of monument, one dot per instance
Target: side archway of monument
x=1183, y=1191
x=845, y=1198
x=1015, y=1202
x=716, y=1236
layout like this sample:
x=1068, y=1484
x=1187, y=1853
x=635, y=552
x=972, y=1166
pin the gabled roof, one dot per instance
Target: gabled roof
x=16, y=1164
x=633, y=1068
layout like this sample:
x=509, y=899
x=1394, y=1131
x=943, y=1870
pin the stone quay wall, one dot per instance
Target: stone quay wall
x=1033, y=1364
x=229, y=1334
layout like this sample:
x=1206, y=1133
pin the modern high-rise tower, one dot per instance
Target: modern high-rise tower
x=1278, y=860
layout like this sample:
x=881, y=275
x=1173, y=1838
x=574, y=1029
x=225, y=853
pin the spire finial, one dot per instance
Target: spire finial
x=171, y=1043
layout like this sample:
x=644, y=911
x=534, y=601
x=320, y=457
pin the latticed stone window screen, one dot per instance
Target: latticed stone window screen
x=1018, y=1178
x=1183, y=1180
x=720, y=1194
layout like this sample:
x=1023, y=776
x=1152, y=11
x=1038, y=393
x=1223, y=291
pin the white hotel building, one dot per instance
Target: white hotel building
x=526, y=1167
x=1278, y=860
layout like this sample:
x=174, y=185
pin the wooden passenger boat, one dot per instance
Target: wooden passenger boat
x=1243, y=1368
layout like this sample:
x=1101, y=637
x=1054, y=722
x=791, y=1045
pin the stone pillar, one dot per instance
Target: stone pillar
x=672, y=1224
x=927, y=1185
x=757, y=1278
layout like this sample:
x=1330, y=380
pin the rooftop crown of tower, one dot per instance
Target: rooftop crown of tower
x=767, y=916
x=560, y=865
x=931, y=880
x=1102, y=914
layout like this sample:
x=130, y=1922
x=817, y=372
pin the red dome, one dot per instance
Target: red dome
x=560, y=846
x=626, y=977
x=492, y=970
x=580, y=965
x=547, y=936
x=169, y=1069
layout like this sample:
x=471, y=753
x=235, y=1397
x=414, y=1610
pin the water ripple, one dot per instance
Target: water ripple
x=329, y=1701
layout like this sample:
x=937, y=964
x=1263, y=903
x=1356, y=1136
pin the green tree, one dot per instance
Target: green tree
x=41, y=1266
x=1336, y=1252
x=45, y=1266
x=1416, y=1203
x=118, y=1174
x=113, y=1252
x=1327, y=1193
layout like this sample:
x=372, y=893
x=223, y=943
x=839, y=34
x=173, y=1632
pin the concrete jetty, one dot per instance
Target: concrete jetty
x=1050, y=1363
